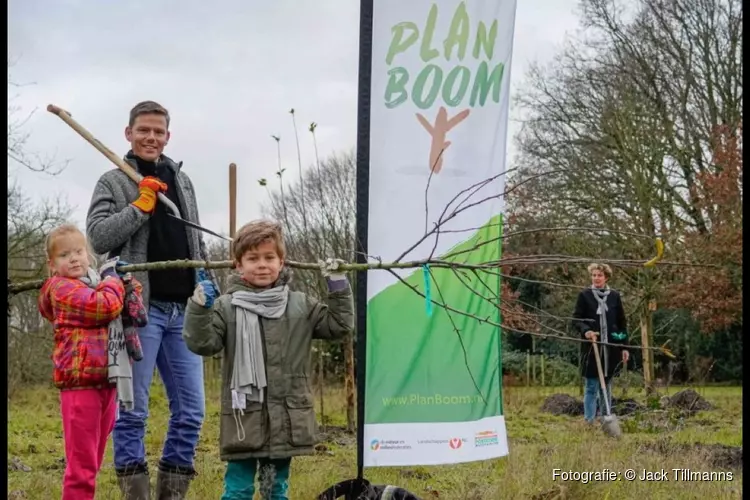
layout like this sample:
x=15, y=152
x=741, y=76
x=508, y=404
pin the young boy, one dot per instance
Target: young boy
x=266, y=331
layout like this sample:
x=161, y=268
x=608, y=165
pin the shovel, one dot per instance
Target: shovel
x=127, y=169
x=610, y=425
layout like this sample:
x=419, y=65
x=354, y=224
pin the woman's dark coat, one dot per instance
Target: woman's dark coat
x=586, y=319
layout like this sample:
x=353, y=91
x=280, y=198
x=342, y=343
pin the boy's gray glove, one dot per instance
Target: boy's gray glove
x=336, y=279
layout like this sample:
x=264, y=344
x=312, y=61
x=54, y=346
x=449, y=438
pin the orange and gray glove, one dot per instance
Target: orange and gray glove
x=149, y=188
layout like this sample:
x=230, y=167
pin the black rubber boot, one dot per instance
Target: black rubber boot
x=134, y=483
x=173, y=481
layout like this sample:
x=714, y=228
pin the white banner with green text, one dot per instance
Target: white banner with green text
x=438, y=125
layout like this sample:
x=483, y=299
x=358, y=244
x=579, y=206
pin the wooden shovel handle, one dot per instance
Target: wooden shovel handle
x=119, y=162
x=595, y=348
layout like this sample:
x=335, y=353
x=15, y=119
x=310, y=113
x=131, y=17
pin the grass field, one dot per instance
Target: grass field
x=539, y=443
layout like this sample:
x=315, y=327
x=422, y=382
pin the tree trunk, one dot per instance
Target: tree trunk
x=321, y=387
x=648, y=367
x=351, y=410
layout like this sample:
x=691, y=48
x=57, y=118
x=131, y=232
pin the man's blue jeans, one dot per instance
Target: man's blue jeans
x=592, y=398
x=181, y=371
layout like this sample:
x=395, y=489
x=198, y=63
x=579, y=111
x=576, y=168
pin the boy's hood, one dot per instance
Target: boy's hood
x=235, y=283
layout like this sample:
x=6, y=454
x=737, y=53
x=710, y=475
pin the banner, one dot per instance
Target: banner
x=439, y=94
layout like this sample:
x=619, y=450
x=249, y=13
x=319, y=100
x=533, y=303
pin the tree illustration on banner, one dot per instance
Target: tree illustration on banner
x=438, y=132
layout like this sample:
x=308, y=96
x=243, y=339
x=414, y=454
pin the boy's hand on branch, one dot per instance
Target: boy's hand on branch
x=329, y=268
x=203, y=275
x=205, y=294
x=335, y=278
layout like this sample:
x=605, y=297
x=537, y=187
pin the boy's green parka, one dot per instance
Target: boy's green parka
x=284, y=424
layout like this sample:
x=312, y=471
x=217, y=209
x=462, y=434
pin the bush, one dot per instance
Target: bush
x=514, y=363
x=557, y=371
x=632, y=380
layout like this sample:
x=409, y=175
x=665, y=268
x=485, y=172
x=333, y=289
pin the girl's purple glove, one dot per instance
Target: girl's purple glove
x=108, y=269
x=134, y=316
x=133, y=343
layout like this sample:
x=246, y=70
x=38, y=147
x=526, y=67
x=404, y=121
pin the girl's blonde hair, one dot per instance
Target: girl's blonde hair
x=604, y=268
x=65, y=230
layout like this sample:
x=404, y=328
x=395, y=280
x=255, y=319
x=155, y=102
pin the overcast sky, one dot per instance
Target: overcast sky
x=228, y=71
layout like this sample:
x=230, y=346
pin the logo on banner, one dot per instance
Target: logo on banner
x=460, y=75
x=486, y=438
x=388, y=444
x=455, y=443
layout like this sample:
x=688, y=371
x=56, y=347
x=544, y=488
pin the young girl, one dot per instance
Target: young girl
x=84, y=307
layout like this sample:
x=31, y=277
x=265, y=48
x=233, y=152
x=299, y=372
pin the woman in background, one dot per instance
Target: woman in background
x=600, y=316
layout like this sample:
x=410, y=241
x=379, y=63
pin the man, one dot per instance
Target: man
x=128, y=220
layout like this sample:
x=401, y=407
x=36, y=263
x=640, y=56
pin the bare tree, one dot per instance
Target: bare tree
x=18, y=135
x=29, y=336
x=319, y=218
x=627, y=116
x=629, y=113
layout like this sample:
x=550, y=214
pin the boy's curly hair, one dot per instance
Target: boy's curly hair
x=254, y=233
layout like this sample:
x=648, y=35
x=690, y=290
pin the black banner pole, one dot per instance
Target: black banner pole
x=363, y=203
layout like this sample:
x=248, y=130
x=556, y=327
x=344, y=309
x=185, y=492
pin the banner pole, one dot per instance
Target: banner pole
x=363, y=202
x=232, y=206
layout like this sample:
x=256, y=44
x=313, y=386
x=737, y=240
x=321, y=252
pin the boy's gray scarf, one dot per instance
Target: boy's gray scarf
x=249, y=370
x=118, y=362
x=601, y=294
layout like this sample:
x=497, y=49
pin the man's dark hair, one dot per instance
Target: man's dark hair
x=145, y=108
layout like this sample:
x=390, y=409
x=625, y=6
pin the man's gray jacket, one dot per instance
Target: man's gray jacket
x=117, y=228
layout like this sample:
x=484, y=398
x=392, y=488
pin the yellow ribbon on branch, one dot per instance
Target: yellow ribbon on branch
x=659, y=253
